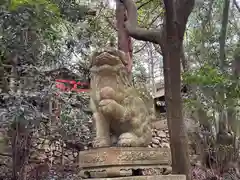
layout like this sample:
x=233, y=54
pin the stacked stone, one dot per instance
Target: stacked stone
x=56, y=152
x=160, y=135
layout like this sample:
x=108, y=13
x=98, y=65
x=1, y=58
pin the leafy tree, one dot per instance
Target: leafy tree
x=211, y=41
x=170, y=38
x=33, y=35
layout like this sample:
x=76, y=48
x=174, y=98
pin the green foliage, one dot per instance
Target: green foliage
x=214, y=90
x=43, y=25
x=205, y=76
x=149, y=12
x=47, y=4
x=28, y=18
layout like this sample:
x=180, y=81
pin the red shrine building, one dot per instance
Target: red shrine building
x=66, y=80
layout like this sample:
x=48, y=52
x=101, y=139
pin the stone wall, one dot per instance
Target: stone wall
x=160, y=134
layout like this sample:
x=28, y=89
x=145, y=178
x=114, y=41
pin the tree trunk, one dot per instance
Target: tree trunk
x=20, y=140
x=222, y=41
x=124, y=40
x=223, y=33
x=170, y=38
x=184, y=62
x=172, y=80
x=178, y=136
x=172, y=50
x=236, y=63
x=204, y=25
x=4, y=85
x=151, y=69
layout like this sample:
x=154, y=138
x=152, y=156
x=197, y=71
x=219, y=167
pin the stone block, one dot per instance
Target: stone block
x=124, y=161
x=159, y=177
x=124, y=156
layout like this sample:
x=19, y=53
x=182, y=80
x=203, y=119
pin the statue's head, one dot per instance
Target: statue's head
x=110, y=57
x=108, y=68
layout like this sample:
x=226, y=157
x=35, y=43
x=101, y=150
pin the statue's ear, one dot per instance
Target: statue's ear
x=118, y=53
x=92, y=58
x=91, y=61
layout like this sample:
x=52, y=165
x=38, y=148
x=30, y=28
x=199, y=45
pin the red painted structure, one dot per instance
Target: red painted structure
x=71, y=85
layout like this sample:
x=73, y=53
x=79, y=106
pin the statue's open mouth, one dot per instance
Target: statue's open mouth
x=107, y=62
x=107, y=59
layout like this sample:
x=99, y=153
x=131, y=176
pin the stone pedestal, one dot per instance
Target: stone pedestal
x=127, y=163
x=159, y=177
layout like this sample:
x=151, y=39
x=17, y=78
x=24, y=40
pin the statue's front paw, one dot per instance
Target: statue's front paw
x=105, y=106
x=127, y=140
x=101, y=142
x=111, y=108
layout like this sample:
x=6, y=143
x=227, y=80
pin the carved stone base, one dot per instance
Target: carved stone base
x=123, y=171
x=160, y=177
x=125, y=161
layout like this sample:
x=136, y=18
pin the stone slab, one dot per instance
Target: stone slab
x=124, y=156
x=160, y=177
x=122, y=171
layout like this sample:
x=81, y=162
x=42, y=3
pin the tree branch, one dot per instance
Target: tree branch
x=184, y=60
x=5, y=154
x=236, y=4
x=91, y=12
x=170, y=17
x=134, y=30
x=154, y=20
x=140, y=49
x=157, y=48
x=144, y=4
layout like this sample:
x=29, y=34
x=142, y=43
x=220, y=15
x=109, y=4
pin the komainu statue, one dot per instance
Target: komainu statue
x=120, y=115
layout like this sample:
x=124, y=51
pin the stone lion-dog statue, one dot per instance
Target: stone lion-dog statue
x=120, y=115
